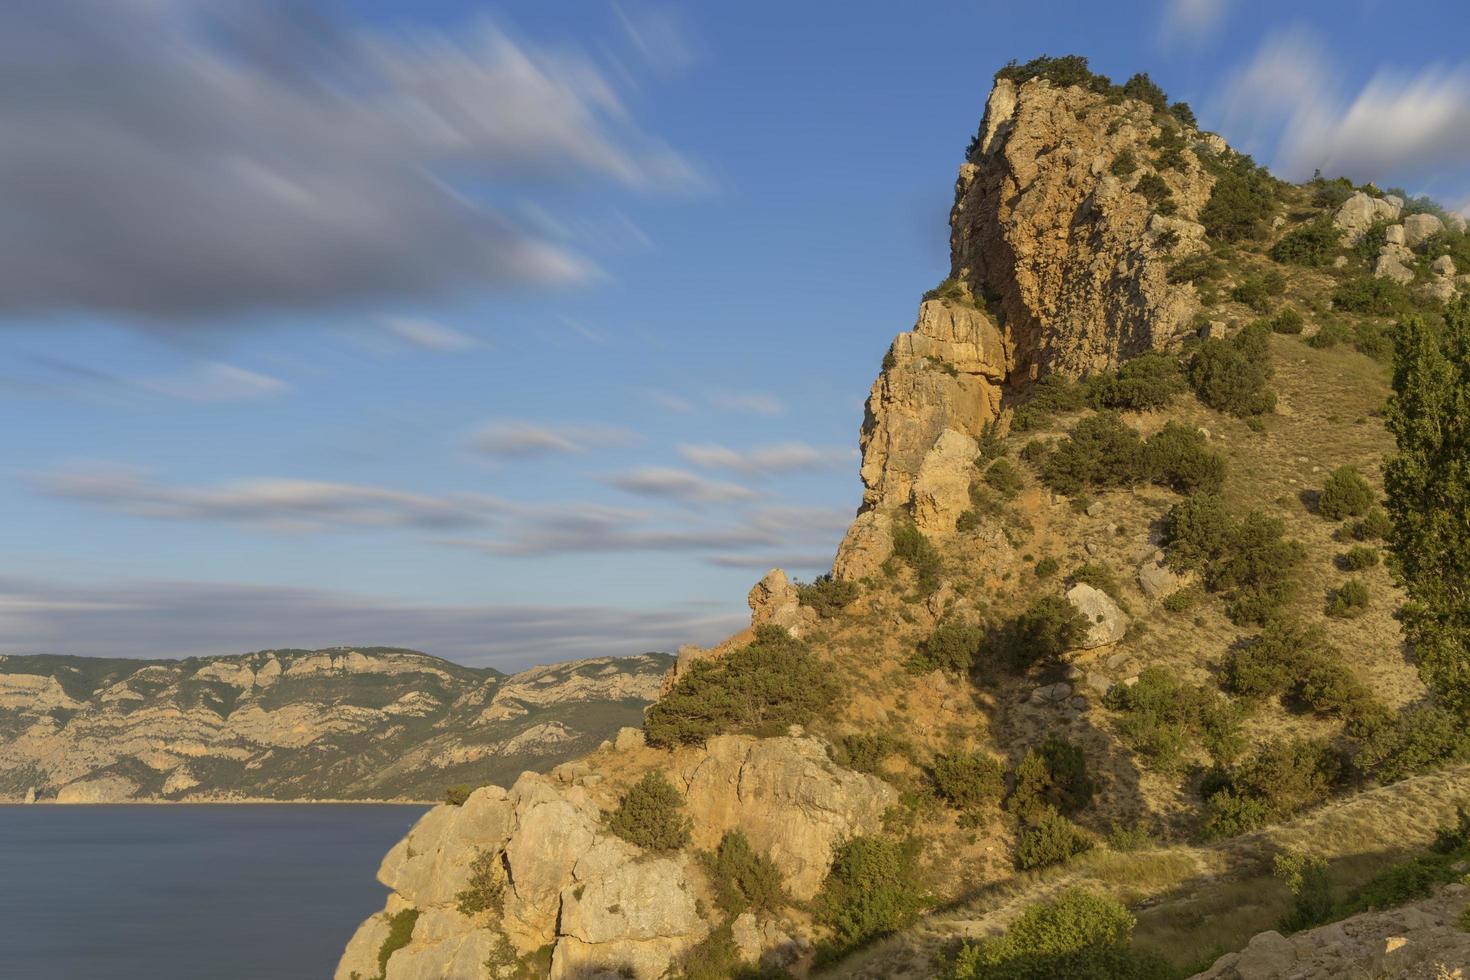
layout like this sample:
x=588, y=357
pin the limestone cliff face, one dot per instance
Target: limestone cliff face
x=1058, y=263
x=597, y=903
x=298, y=724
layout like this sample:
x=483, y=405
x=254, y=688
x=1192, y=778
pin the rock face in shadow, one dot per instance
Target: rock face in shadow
x=598, y=902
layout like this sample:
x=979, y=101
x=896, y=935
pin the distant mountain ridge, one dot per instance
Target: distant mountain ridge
x=342, y=723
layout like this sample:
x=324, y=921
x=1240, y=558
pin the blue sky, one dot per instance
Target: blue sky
x=522, y=332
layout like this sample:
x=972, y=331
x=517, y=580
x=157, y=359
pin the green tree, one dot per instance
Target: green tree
x=1428, y=484
x=652, y=815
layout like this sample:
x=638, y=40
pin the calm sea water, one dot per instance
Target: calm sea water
x=178, y=892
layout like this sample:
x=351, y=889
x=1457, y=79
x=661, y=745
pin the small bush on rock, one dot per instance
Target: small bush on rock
x=1048, y=628
x=872, y=891
x=485, y=889
x=866, y=751
x=651, y=815
x=457, y=794
x=743, y=879
x=1241, y=202
x=760, y=689
x=1005, y=479
x=911, y=547
x=827, y=595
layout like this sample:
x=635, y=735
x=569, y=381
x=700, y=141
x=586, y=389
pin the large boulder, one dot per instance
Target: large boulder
x=774, y=601
x=942, y=489
x=1361, y=211
x=1157, y=580
x=1106, y=622
x=1419, y=228
x=1391, y=265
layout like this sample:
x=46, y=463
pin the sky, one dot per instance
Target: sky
x=532, y=331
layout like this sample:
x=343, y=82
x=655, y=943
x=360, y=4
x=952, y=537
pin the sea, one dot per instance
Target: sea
x=188, y=892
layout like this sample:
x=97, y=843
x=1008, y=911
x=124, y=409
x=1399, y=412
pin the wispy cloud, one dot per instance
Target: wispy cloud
x=660, y=35
x=522, y=439
x=426, y=334
x=669, y=483
x=215, y=382
x=1291, y=100
x=667, y=400
x=1193, y=21
x=205, y=159
x=280, y=504
x=178, y=619
x=786, y=457
x=752, y=402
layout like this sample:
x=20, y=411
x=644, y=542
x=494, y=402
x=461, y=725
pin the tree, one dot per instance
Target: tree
x=1428, y=484
x=652, y=815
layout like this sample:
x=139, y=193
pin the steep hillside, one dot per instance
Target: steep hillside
x=1116, y=614
x=368, y=723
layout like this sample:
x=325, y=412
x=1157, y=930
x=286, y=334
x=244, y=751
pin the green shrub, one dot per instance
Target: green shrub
x=1357, y=558
x=1418, y=740
x=1241, y=202
x=1076, y=935
x=1152, y=188
x=1306, y=877
x=1330, y=194
x=1257, y=291
x=1184, y=115
x=743, y=879
x=1351, y=599
x=1372, y=340
x=651, y=815
x=866, y=751
x=1124, y=163
x=1372, y=296
x=761, y=689
x=1163, y=716
x=485, y=889
x=1287, y=321
x=1376, y=526
x=1051, y=839
x=827, y=595
x=952, y=290
x=1248, y=560
x=1296, y=661
x=1178, y=457
x=1098, y=576
x=911, y=547
x=1198, y=269
x=872, y=890
x=1049, y=395
x=1313, y=245
x=1005, y=478
x=1231, y=375
x=1034, y=452
x=457, y=794
x=1330, y=335
x=1282, y=778
x=1146, y=382
x=1102, y=451
x=1065, y=71
x=1345, y=494
x=952, y=646
x=1048, y=628
x=715, y=957
x=1146, y=90
x=1051, y=777
x=968, y=780
x=1047, y=567
x=400, y=934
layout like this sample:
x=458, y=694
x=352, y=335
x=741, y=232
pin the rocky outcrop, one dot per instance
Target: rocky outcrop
x=774, y=601
x=1057, y=263
x=1106, y=623
x=1422, y=941
x=598, y=902
x=1362, y=211
x=1419, y=228
x=375, y=723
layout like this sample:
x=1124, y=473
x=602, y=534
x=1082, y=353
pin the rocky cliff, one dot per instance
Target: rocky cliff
x=296, y=724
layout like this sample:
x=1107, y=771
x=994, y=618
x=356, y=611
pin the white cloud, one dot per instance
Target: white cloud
x=215, y=382
x=189, y=159
x=766, y=460
x=679, y=485
x=280, y=504
x=1291, y=101
x=518, y=438
x=426, y=334
x=752, y=402
x=1191, y=20
x=179, y=619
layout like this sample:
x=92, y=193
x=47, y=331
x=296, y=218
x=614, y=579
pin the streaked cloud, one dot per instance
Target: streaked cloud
x=276, y=503
x=178, y=619
x=1291, y=102
x=670, y=483
x=195, y=159
x=215, y=382
x=1193, y=21
x=426, y=334
x=522, y=439
x=751, y=402
x=786, y=457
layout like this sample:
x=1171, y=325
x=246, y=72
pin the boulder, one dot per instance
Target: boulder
x=1456, y=222
x=1419, y=228
x=1106, y=622
x=1391, y=266
x=1443, y=266
x=941, y=491
x=1159, y=581
x=1360, y=212
x=774, y=601
x=1394, y=235
x=1268, y=956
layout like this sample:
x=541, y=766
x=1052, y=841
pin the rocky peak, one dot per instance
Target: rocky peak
x=1067, y=214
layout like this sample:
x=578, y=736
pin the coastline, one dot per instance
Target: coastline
x=218, y=802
